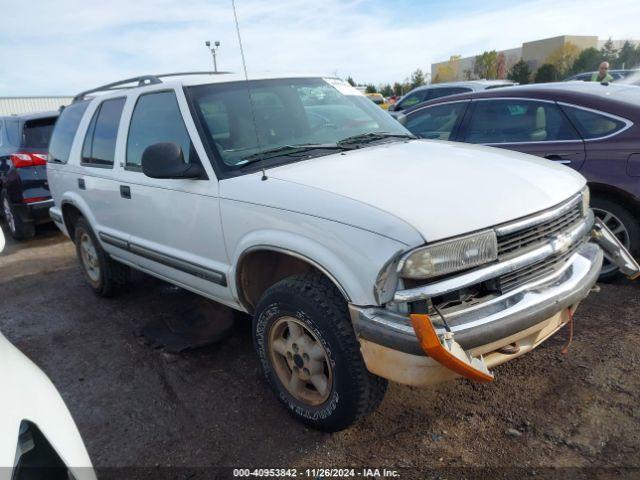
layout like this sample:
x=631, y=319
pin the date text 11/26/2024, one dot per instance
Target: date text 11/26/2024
x=317, y=472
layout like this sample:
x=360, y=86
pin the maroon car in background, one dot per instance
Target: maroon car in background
x=591, y=127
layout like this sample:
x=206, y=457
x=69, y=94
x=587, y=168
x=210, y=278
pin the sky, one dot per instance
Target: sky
x=60, y=47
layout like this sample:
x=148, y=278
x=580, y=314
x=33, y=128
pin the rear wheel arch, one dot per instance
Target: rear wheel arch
x=70, y=216
x=259, y=268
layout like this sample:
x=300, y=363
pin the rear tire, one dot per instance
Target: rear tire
x=310, y=355
x=102, y=273
x=18, y=229
x=624, y=226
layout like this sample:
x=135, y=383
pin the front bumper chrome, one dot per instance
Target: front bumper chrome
x=497, y=318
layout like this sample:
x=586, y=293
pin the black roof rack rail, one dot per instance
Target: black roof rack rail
x=141, y=81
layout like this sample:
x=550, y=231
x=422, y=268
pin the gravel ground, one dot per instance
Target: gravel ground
x=568, y=416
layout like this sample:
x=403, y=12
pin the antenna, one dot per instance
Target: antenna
x=246, y=77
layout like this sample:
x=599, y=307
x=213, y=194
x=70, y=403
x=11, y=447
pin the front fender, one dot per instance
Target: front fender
x=352, y=261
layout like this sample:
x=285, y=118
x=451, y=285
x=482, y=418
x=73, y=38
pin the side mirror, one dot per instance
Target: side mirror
x=393, y=107
x=165, y=160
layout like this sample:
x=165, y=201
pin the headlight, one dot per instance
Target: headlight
x=450, y=256
x=586, y=199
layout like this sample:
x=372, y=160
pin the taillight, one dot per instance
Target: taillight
x=21, y=160
x=35, y=199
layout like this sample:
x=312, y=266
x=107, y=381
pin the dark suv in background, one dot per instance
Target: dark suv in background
x=24, y=191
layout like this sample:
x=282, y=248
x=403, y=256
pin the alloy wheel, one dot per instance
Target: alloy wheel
x=89, y=255
x=618, y=228
x=300, y=361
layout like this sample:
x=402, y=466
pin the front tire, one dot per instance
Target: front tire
x=624, y=225
x=310, y=355
x=102, y=273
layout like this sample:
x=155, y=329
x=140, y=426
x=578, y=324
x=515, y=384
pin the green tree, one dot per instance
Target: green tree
x=587, y=60
x=351, y=81
x=608, y=52
x=547, y=73
x=417, y=78
x=520, y=72
x=370, y=89
x=628, y=56
x=386, y=90
x=397, y=89
x=563, y=58
x=486, y=65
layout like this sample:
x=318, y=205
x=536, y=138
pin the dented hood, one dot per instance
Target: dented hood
x=442, y=189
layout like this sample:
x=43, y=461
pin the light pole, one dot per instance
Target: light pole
x=213, y=49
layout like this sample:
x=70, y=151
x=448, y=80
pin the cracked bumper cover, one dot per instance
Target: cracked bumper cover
x=497, y=318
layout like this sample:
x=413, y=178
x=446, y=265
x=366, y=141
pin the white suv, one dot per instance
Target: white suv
x=362, y=253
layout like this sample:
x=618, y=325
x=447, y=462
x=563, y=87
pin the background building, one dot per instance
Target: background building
x=18, y=105
x=534, y=53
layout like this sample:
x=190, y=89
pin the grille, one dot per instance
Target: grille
x=509, y=245
x=532, y=272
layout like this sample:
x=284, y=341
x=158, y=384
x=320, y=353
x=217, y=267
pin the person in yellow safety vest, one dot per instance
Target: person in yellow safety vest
x=602, y=75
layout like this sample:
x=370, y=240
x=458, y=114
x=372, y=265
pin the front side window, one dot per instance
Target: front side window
x=246, y=120
x=591, y=124
x=99, y=146
x=65, y=131
x=436, y=122
x=156, y=118
x=518, y=121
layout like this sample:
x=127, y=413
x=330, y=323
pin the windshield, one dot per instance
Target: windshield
x=285, y=115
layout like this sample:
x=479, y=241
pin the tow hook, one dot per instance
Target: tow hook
x=448, y=352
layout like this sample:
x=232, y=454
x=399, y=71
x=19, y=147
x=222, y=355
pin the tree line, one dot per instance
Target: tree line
x=569, y=60
x=564, y=62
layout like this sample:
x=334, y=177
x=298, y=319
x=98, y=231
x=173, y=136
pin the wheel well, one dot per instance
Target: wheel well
x=260, y=269
x=619, y=196
x=70, y=216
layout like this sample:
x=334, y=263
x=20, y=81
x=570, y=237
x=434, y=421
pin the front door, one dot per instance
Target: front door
x=174, y=224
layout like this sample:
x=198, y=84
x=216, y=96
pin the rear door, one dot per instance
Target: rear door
x=536, y=127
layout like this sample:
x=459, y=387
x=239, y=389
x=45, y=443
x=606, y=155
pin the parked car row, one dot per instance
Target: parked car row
x=438, y=90
x=363, y=253
x=616, y=74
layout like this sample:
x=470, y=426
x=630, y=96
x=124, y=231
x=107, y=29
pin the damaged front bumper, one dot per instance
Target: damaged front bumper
x=395, y=345
x=495, y=319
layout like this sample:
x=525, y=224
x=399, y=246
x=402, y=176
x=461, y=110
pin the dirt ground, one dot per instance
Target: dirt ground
x=564, y=416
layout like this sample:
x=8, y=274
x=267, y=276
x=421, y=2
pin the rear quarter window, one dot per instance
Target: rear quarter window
x=65, y=131
x=592, y=124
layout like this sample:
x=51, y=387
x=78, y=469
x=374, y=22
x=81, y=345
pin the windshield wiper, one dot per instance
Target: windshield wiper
x=288, y=150
x=372, y=137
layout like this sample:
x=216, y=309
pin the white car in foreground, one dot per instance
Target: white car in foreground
x=362, y=253
x=38, y=437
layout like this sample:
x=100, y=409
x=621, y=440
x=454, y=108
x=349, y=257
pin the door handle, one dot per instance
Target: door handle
x=559, y=157
x=125, y=191
x=81, y=184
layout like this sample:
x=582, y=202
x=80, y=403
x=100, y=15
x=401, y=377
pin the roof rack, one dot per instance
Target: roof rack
x=141, y=81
